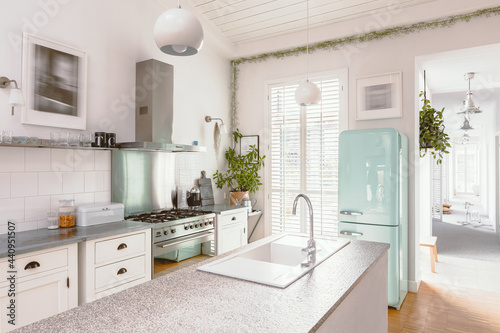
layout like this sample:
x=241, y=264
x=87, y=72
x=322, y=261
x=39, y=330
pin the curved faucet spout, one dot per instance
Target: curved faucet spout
x=310, y=250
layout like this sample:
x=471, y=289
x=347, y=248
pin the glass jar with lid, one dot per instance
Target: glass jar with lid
x=66, y=213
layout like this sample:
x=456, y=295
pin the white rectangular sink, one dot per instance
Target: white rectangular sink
x=276, y=262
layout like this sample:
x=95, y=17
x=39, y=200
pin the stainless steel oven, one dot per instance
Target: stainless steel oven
x=179, y=233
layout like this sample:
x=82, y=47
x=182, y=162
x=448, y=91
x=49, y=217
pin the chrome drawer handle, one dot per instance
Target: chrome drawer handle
x=122, y=246
x=347, y=212
x=351, y=233
x=122, y=271
x=31, y=265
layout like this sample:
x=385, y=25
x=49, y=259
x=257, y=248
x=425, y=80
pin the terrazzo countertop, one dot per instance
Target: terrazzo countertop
x=188, y=300
x=40, y=239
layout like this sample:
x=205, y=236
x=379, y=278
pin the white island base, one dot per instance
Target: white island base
x=345, y=293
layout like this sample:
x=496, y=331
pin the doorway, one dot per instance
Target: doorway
x=464, y=209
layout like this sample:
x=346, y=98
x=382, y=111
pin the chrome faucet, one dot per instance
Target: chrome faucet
x=310, y=250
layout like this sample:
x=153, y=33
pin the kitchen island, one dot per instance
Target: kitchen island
x=345, y=293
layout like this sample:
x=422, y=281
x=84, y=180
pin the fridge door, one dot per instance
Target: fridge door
x=369, y=176
x=383, y=234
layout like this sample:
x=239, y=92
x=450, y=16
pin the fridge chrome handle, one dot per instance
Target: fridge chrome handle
x=351, y=233
x=348, y=212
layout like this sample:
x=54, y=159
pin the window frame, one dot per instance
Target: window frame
x=343, y=76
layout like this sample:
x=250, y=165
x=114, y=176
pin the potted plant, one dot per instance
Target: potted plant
x=432, y=135
x=242, y=175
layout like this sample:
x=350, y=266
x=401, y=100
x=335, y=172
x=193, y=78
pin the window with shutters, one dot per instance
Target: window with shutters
x=303, y=152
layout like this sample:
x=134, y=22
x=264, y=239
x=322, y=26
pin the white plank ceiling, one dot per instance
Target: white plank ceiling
x=251, y=20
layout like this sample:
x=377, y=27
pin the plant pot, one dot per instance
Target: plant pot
x=235, y=198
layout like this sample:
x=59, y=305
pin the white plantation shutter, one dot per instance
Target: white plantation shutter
x=303, y=155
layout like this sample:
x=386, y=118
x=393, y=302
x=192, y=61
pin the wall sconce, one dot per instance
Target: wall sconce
x=222, y=126
x=16, y=95
x=217, y=137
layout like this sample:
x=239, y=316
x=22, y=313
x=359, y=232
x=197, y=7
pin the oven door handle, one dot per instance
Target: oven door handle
x=182, y=241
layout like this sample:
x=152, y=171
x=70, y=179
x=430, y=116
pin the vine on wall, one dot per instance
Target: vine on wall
x=336, y=44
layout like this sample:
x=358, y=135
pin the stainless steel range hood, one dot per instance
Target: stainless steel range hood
x=154, y=109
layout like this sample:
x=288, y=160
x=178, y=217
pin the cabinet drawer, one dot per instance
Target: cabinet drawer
x=37, y=262
x=119, y=248
x=112, y=275
x=229, y=219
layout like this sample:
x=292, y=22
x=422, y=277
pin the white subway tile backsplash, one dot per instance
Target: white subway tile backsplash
x=62, y=159
x=33, y=180
x=84, y=198
x=23, y=184
x=36, y=208
x=94, y=181
x=50, y=183
x=84, y=160
x=106, y=181
x=37, y=159
x=73, y=182
x=24, y=226
x=4, y=185
x=12, y=159
x=103, y=160
x=103, y=197
x=11, y=209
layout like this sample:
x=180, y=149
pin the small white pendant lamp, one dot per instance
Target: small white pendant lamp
x=178, y=32
x=307, y=93
x=469, y=106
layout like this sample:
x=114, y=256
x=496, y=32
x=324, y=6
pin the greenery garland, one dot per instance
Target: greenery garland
x=338, y=43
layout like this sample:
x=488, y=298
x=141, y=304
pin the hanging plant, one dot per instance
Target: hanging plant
x=432, y=135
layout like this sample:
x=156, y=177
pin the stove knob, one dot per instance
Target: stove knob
x=196, y=225
x=186, y=227
x=165, y=232
x=172, y=231
x=211, y=222
x=191, y=226
x=206, y=223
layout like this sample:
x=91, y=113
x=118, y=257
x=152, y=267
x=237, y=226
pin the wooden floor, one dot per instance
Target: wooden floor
x=443, y=308
x=163, y=266
x=436, y=308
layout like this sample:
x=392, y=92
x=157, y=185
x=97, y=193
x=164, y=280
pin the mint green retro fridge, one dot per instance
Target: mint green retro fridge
x=373, y=197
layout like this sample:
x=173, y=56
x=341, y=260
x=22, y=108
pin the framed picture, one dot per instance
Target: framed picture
x=54, y=84
x=246, y=142
x=379, y=97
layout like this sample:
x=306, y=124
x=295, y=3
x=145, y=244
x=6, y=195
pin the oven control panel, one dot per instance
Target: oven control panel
x=183, y=229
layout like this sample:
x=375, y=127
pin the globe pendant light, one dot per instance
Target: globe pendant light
x=178, y=32
x=307, y=93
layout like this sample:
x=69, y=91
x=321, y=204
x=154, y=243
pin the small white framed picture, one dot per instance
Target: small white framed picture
x=379, y=97
x=246, y=142
x=54, y=84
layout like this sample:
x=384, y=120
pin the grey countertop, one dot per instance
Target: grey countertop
x=220, y=208
x=188, y=300
x=40, y=239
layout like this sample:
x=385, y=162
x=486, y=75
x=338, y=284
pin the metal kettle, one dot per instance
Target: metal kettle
x=247, y=203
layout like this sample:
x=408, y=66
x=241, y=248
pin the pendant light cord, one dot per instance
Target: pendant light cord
x=307, y=40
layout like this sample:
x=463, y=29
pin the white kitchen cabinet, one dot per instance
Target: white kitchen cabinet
x=46, y=284
x=111, y=264
x=230, y=230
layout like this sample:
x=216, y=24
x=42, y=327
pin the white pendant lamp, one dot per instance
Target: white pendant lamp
x=178, y=32
x=307, y=93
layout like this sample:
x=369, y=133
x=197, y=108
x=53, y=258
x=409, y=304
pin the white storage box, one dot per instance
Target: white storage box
x=87, y=215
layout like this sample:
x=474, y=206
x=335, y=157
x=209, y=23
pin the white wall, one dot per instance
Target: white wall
x=379, y=57
x=116, y=34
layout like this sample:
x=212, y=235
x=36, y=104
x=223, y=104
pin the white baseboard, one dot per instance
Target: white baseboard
x=413, y=286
